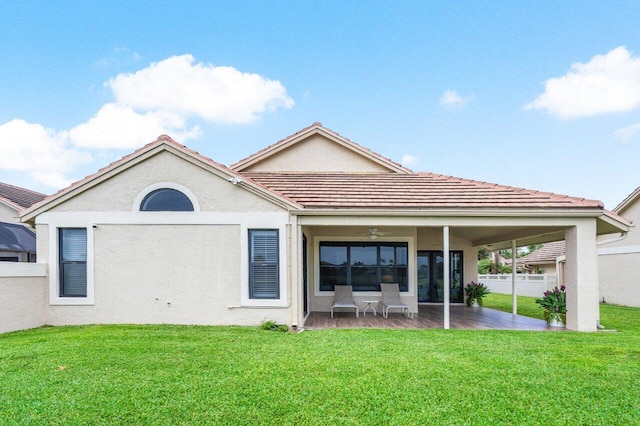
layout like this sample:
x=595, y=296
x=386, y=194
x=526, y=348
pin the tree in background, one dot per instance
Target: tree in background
x=489, y=261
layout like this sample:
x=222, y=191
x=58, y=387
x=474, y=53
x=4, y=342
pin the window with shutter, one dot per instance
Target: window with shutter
x=263, y=264
x=73, y=262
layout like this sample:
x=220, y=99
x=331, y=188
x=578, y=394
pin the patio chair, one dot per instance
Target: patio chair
x=344, y=299
x=391, y=299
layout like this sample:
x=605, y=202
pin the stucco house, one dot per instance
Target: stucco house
x=17, y=240
x=543, y=260
x=619, y=258
x=166, y=235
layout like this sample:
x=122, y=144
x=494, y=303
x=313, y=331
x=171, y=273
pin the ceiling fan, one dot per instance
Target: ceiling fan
x=374, y=233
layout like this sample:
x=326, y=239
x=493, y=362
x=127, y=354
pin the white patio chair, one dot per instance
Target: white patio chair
x=344, y=299
x=391, y=299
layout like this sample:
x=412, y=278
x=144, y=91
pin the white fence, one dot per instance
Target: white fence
x=533, y=285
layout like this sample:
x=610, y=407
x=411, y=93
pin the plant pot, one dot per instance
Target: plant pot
x=555, y=322
x=475, y=304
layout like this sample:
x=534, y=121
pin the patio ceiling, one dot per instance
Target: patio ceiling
x=491, y=236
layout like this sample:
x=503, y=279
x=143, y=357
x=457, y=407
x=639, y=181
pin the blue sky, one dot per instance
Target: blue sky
x=542, y=95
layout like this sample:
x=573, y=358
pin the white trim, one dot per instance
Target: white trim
x=412, y=258
x=602, y=251
x=160, y=185
x=159, y=218
x=22, y=269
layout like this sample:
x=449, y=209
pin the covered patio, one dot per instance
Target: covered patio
x=430, y=316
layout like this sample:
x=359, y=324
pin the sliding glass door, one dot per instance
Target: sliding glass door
x=431, y=276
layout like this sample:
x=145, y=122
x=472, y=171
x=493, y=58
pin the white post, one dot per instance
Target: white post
x=581, y=276
x=447, y=285
x=514, y=294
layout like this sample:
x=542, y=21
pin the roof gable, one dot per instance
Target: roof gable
x=317, y=149
x=162, y=144
x=627, y=202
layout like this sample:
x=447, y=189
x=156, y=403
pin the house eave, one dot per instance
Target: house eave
x=453, y=212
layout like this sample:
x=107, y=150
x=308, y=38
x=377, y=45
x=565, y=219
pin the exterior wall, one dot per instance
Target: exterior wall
x=7, y=214
x=165, y=267
x=213, y=193
x=178, y=274
x=619, y=264
x=23, y=287
x=417, y=239
x=321, y=301
x=317, y=154
x=619, y=279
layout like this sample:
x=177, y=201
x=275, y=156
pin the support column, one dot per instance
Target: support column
x=581, y=276
x=447, y=275
x=514, y=292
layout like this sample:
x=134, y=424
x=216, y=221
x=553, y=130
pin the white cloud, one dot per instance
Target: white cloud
x=409, y=160
x=450, y=99
x=628, y=132
x=158, y=99
x=120, y=56
x=607, y=83
x=216, y=94
x=43, y=153
x=118, y=126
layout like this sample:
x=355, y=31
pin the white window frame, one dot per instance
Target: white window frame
x=54, y=266
x=137, y=202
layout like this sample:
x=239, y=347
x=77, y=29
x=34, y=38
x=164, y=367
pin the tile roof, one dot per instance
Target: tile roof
x=407, y=191
x=21, y=197
x=545, y=254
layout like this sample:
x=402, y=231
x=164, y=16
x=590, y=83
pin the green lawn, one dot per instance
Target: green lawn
x=234, y=375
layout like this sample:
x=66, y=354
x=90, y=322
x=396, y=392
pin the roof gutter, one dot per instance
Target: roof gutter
x=623, y=235
x=451, y=212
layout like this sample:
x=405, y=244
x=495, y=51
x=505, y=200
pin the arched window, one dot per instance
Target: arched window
x=166, y=200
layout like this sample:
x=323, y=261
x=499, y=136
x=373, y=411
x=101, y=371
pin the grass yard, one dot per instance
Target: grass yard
x=233, y=375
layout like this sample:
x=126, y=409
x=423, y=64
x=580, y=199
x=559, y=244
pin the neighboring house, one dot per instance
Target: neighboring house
x=543, y=260
x=619, y=258
x=17, y=241
x=165, y=235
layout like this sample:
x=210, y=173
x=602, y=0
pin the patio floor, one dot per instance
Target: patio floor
x=430, y=316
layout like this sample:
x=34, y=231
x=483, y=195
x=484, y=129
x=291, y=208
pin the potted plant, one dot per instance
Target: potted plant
x=554, y=303
x=475, y=292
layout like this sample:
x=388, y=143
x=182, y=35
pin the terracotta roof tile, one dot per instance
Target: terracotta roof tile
x=20, y=196
x=413, y=191
x=545, y=254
